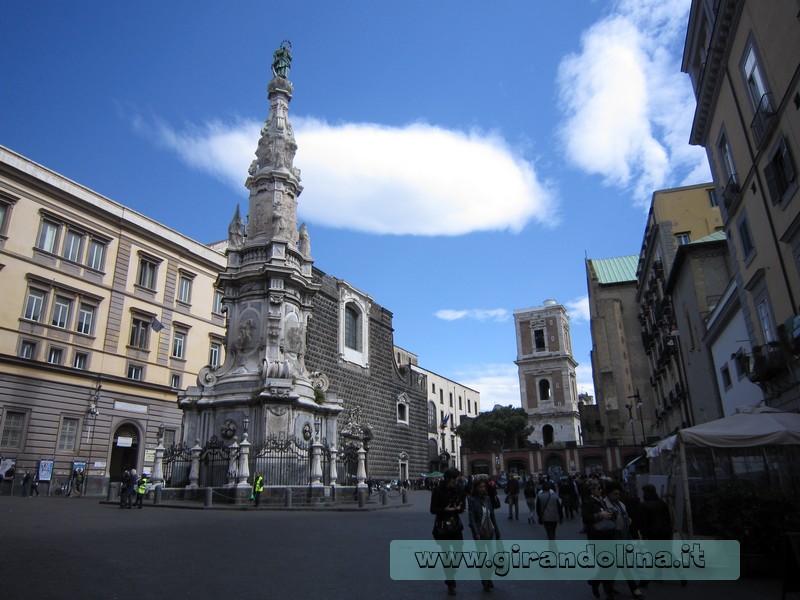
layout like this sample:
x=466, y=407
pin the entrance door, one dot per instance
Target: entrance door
x=124, y=451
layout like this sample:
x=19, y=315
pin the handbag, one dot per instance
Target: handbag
x=486, y=531
x=541, y=520
x=495, y=502
x=604, y=525
x=448, y=525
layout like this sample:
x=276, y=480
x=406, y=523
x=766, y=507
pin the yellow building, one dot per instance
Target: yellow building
x=106, y=314
x=677, y=217
x=743, y=58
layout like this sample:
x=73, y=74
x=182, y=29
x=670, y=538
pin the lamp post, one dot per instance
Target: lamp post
x=639, y=406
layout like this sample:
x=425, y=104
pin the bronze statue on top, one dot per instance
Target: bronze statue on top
x=282, y=60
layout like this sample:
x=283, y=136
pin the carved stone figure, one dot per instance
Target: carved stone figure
x=304, y=245
x=236, y=230
x=282, y=60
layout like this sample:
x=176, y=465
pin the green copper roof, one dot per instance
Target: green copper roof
x=717, y=236
x=615, y=270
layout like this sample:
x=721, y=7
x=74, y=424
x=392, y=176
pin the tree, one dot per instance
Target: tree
x=505, y=425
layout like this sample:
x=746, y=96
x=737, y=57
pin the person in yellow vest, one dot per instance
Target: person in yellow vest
x=141, y=489
x=258, y=487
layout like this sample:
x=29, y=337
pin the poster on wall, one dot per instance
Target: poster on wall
x=78, y=465
x=7, y=468
x=46, y=469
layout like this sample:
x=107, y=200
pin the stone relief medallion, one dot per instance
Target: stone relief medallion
x=206, y=378
x=228, y=429
x=307, y=431
x=278, y=411
x=320, y=381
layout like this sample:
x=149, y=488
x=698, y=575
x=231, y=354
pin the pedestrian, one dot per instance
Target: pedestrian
x=529, y=491
x=599, y=525
x=447, y=503
x=655, y=522
x=132, y=488
x=26, y=483
x=512, y=497
x=141, y=489
x=622, y=524
x=124, y=489
x=482, y=521
x=567, y=494
x=258, y=488
x=549, y=509
x=35, y=485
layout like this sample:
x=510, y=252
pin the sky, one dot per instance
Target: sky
x=460, y=159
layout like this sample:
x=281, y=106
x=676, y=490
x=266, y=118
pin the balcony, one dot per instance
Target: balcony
x=764, y=120
x=768, y=362
x=731, y=192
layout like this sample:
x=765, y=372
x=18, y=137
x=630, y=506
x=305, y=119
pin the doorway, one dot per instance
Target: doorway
x=124, y=451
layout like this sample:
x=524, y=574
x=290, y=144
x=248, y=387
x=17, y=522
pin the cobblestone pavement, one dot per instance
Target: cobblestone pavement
x=54, y=547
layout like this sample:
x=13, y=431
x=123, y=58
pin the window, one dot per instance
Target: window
x=13, y=426
x=185, y=289
x=96, y=255
x=139, y=329
x=450, y=394
x=460, y=405
x=135, y=372
x=214, y=353
x=68, y=436
x=712, y=197
x=765, y=318
x=402, y=413
x=538, y=339
x=147, y=273
x=73, y=245
x=217, y=309
x=61, y=312
x=179, y=345
x=48, y=237
x=55, y=356
x=175, y=381
x=80, y=361
x=433, y=388
x=27, y=349
x=431, y=416
x=544, y=389
x=756, y=84
x=726, y=377
x=729, y=175
x=682, y=238
x=5, y=210
x=779, y=172
x=85, y=319
x=34, y=305
x=745, y=239
x=352, y=322
x=441, y=396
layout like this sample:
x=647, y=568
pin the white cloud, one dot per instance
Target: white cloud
x=497, y=384
x=418, y=180
x=628, y=107
x=477, y=314
x=584, y=381
x=578, y=309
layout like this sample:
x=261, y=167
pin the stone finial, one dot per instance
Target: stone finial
x=236, y=230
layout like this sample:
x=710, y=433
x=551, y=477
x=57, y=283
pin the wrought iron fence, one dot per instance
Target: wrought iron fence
x=177, y=465
x=282, y=460
x=347, y=469
x=215, y=464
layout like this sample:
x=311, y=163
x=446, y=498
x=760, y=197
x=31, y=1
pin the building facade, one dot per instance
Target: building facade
x=547, y=374
x=743, y=58
x=106, y=314
x=677, y=217
x=623, y=413
x=449, y=403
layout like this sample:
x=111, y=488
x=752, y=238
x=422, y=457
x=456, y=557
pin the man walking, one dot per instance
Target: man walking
x=258, y=487
x=141, y=489
x=512, y=491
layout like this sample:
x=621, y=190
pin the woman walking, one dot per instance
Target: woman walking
x=599, y=524
x=448, y=501
x=622, y=524
x=482, y=521
x=530, y=499
x=549, y=509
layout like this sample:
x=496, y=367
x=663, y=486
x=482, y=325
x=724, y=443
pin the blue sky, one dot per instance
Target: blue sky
x=460, y=158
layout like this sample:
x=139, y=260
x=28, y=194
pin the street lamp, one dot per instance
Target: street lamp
x=639, y=406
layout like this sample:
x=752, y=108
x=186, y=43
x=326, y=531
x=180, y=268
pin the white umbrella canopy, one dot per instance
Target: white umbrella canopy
x=758, y=426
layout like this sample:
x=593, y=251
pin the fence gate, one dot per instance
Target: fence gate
x=177, y=465
x=214, y=464
x=282, y=460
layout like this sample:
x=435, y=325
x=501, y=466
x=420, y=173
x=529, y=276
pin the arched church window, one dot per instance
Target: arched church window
x=352, y=327
x=544, y=389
